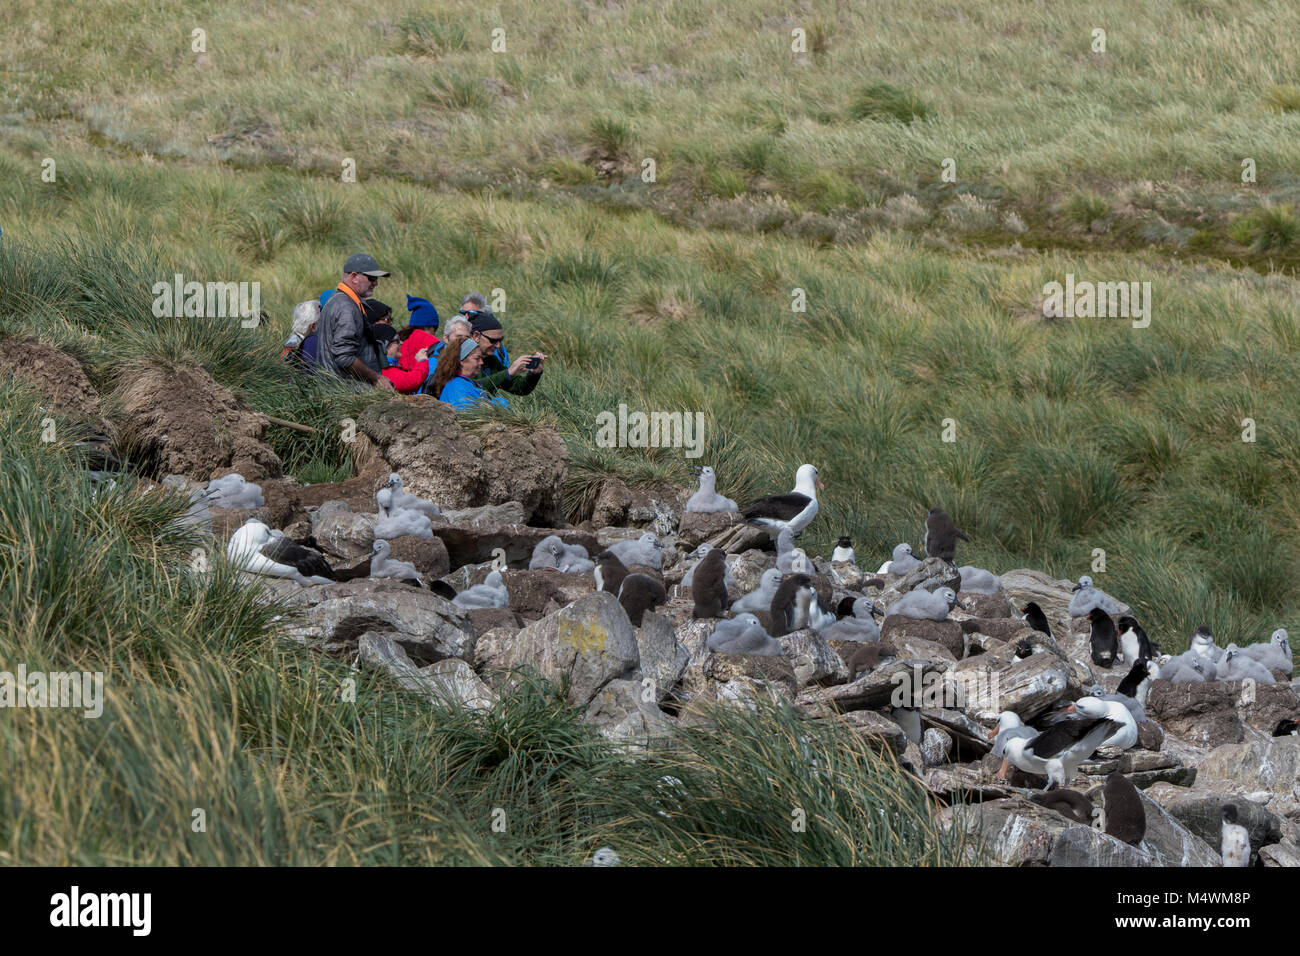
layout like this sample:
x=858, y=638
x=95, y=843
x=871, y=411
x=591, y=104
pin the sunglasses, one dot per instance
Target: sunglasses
x=495, y=341
x=470, y=312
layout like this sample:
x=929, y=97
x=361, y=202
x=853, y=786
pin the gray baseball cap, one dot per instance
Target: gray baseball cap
x=360, y=262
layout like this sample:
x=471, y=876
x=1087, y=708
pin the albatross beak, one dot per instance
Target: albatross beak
x=820, y=486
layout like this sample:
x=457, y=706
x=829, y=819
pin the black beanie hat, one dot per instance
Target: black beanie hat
x=484, y=322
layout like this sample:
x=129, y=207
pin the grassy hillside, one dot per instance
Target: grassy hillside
x=1137, y=142
x=520, y=171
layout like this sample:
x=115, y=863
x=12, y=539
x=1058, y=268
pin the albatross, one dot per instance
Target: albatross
x=794, y=510
x=255, y=548
x=1058, y=750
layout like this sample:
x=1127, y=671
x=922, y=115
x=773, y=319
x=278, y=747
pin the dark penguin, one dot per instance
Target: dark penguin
x=1024, y=649
x=783, y=603
x=1105, y=642
x=709, y=586
x=1068, y=803
x=1137, y=676
x=941, y=535
x=1125, y=818
x=610, y=572
x=1286, y=727
x=1035, y=618
x=1133, y=641
x=640, y=593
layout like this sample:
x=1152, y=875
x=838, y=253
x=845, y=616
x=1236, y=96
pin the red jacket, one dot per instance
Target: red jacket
x=408, y=374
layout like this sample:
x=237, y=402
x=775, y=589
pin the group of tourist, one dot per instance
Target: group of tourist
x=350, y=334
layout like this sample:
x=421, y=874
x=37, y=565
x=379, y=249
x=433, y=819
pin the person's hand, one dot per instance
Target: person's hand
x=422, y=355
x=385, y=383
x=517, y=366
x=542, y=362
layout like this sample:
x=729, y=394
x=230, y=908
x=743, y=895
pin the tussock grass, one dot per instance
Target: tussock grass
x=220, y=745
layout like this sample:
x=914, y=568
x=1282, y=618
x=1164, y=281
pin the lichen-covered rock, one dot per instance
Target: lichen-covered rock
x=588, y=644
x=813, y=660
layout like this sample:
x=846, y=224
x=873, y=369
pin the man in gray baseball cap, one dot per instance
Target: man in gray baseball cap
x=346, y=346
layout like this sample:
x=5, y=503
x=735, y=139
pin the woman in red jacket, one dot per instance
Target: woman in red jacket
x=412, y=366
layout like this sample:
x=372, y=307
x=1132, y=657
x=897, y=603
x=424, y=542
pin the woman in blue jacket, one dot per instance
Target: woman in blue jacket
x=453, y=379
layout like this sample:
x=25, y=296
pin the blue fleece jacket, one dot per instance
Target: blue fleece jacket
x=461, y=392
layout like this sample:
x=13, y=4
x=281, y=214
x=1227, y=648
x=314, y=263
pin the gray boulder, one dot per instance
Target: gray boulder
x=663, y=660
x=427, y=627
x=813, y=660
x=622, y=713
x=588, y=644
x=447, y=681
x=343, y=534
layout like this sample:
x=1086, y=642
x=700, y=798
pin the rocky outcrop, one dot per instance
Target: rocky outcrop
x=1264, y=768
x=813, y=660
x=1016, y=832
x=626, y=713
x=1204, y=715
x=697, y=527
x=449, y=681
x=479, y=542
x=930, y=575
x=421, y=439
x=663, y=660
x=657, y=508
x=899, y=630
x=334, y=616
x=1000, y=681
x=1201, y=811
x=584, y=646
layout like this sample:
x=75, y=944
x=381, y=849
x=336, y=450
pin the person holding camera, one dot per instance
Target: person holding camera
x=498, y=373
x=453, y=377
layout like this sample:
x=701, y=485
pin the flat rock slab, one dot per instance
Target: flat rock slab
x=870, y=691
x=969, y=784
x=428, y=627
